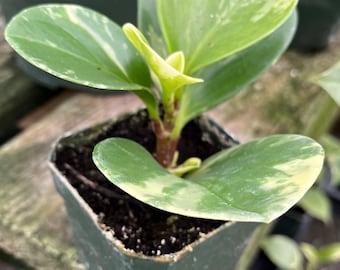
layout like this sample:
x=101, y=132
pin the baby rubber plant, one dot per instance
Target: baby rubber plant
x=188, y=57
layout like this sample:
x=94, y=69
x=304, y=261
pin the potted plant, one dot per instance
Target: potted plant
x=318, y=23
x=194, y=55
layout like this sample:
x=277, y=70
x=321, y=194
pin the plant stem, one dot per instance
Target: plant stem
x=165, y=146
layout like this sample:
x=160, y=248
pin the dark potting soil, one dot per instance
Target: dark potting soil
x=139, y=227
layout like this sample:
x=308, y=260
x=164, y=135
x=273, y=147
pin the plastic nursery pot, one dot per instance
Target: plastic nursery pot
x=318, y=20
x=96, y=208
x=119, y=11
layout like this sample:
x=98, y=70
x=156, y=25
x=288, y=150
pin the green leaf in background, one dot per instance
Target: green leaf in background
x=79, y=45
x=311, y=254
x=225, y=79
x=330, y=81
x=317, y=204
x=250, y=182
x=332, y=149
x=208, y=31
x=329, y=253
x=283, y=252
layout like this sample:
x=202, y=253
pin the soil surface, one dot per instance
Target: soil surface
x=139, y=227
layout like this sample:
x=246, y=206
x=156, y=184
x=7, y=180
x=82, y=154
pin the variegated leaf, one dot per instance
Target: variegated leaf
x=225, y=79
x=257, y=181
x=208, y=31
x=79, y=45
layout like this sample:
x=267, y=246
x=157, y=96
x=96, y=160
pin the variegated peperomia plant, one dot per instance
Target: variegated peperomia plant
x=193, y=55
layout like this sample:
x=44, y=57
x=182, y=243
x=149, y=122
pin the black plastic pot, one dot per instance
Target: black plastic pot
x=318, y=21
x=119, y=11
x=99, y=249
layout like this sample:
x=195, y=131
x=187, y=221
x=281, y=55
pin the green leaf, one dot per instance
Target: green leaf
x=257, y=181
x=187, y=166
x=149, y=25
x=169, y=77
x=225, y=79
x=177, y=61
x=330, y=81
x=332, y=149
x=283, y=252
x=208, y=31
x=79, y=45
x=311, y=254
x=329, y=253
x=317, y=204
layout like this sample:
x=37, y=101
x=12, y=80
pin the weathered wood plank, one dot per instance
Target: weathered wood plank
x=33, y=223
x=284, y=100
x=19, y=94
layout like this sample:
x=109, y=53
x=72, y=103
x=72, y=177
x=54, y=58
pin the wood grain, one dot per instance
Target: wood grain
x=33, y=223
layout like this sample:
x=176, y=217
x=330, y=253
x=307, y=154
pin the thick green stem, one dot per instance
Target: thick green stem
x=166, y=145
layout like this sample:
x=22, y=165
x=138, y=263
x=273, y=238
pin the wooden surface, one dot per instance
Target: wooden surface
x=19, y=94
x=33, y=225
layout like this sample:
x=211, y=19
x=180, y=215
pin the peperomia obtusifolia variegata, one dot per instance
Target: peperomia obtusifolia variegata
x=187, y=57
